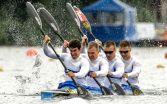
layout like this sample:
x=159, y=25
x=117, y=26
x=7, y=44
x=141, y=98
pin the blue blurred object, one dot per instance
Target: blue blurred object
x=111, y=20
x=50, y=94
x=47, y=94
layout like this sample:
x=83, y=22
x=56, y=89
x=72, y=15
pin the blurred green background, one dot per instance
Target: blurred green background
x=17, y=28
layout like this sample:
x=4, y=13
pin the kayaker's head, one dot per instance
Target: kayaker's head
x=93, y=50
x=125, y=49
x=75, y=47
x=110, y=50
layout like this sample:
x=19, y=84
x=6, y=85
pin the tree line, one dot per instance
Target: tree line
x=17, y=28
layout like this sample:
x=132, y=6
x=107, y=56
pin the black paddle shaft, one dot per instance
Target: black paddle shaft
x=116, y=87
x=38, y=22
x=80, y=90
x=49, y=19
x=104, y=90
x=135, y=91
x=74, y=17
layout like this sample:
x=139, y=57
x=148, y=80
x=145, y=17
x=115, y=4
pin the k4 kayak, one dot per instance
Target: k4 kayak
x=69, y=89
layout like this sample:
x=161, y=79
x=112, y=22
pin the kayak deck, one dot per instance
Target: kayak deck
x=68, y=89
x=49, y=94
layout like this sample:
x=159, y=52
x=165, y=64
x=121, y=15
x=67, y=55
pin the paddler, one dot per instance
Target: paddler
x=98, y=65
x=77, y=65
x=116, y=65
x=132, y=66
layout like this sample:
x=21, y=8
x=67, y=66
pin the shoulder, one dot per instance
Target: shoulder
x=118, y=61
x=65, y=54
x=84, y=59
x=84, y=56
x=100, y=58
x=135, y=61
x=103, y=61
x=102, y=55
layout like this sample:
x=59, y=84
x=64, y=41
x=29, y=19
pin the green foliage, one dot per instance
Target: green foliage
x=3, y=38
x=16, y=28
x=145, y=15
x=145, y=12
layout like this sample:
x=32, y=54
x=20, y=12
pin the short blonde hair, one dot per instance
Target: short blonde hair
x=125, y=43
x=93, y=44
x=110, y=43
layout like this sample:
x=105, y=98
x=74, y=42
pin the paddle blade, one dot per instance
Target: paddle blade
x=38, y=61
x=82, y=92
x=73, y=14
x=33, y=13
x=106, y=91
x=49, y=19
x=118, y=89
x=136, y=91
x=83, y=19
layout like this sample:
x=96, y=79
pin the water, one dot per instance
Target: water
x=19, y=78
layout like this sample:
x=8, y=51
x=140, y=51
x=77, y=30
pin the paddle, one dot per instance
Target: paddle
x=49, y=19
x=32, y=12
x=74, y=16
x=135, y=91
x=83, y=20
x=45, y=14
x=116, y=87
x=104, y=90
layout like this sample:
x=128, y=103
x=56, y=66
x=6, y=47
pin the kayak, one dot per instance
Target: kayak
x=68, y=89
x=128, y=89
x=49, y=94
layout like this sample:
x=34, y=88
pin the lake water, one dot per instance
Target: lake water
x=19, y=79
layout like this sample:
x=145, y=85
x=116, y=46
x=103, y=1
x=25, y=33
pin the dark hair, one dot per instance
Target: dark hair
x=75, y=44
x=125, y=43
x=109, y=43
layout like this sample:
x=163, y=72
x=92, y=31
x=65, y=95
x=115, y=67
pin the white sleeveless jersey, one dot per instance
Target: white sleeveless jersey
x=116, y=66
x=79, y=66
x=100, y=66
x=133, y=69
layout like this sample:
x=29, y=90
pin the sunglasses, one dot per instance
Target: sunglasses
x=108, y=52
x=121, y=52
